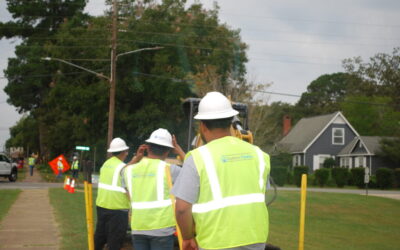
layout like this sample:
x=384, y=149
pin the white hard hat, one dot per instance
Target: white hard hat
x=117, y=145
x=215, y=105
x=75, y=157
x=161, y=137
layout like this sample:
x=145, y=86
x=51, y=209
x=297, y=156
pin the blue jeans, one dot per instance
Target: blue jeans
x=146, y=242
x=31, y=169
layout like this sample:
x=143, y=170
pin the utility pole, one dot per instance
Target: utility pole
x=113, y=73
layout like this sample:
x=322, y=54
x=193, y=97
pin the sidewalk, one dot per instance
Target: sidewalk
x=30, y=222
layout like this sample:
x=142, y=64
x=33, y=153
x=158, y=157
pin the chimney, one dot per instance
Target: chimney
x=287, y=125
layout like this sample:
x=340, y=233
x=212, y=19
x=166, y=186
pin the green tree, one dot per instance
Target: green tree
x=25, y=134
x=35, y=23
x=324, y=94
x=380, y=76
x=389, y=151
x=373, y=116
x=150, y=84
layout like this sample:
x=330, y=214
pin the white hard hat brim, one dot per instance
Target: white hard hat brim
x=158, y=142
x=215, y=116
x=113, y=150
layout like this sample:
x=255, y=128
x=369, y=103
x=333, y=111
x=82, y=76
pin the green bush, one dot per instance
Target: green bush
x=357, y=177
x=289, y=177
x=322, y=176
x=279, y=175
x=340, y=175
x=397, y=177
x=297, y=172
x=329, y=163
x=384, y=178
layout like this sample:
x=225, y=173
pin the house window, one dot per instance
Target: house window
x=345, y=162
x=360, y=161
x=338, y=136
x=322, y=159
x=296, y=160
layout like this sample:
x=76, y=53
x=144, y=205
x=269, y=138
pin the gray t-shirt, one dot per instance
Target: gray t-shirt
x=187, y=187
x=175, y=170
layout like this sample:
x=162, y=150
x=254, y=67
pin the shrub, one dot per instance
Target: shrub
x=340, y=176
x=322, y=176
x=384, y=178
x=397, y=177
x=357, y=177
x=289, y=177
x=279, y=175
x=329, y=163
x=297, y=172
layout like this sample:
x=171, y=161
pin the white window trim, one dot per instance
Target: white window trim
x=333, y=136
x=296, y=160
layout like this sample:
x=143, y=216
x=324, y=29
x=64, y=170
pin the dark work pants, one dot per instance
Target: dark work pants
x=111, y=228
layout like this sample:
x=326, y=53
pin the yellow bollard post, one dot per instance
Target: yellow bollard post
x=88, y=213
x=302, y=210
x=169, y=180
x=91, y=228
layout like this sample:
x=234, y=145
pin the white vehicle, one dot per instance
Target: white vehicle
x=7, y=168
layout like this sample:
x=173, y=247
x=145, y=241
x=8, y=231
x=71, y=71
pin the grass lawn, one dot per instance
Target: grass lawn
x=335, y=221
x=7, y=198
x=71, y=217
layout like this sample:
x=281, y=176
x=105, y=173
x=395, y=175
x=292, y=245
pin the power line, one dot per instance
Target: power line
x=314, y=20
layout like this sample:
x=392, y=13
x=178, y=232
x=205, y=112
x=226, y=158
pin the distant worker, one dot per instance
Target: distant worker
x=31, y=163
x=60, y=167
x=112, y=203
x=221, y=188
x=152, y=219
x=75, y=167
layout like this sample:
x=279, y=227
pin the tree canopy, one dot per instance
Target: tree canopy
x=71, y=105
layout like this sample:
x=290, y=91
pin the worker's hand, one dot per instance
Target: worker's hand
x=177, y=149
x=139, y=154
x=189, y=244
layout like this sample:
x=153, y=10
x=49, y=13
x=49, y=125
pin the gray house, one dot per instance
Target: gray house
x=314, y=139
x=361, y=152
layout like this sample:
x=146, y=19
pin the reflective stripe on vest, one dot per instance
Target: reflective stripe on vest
x=148, y=191
x=161, y=201
x=114, y=186
x=111, y=188
x=218, y=202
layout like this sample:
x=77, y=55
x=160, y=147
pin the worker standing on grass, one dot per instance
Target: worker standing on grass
x=112, y=203
x=221, y=188
x=152, y=218
x=75, y=167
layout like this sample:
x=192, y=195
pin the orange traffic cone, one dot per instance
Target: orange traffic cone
x=72, y=187
x=66, y=183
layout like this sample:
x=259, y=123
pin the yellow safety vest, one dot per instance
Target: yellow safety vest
x=230, y=210
x=75, y=165
x=31, y=161
x=111, y=194
x=149, y=193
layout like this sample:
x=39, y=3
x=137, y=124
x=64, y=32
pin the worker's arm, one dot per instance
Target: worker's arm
x=177, y=149
x=183, y=213
x=139, y=154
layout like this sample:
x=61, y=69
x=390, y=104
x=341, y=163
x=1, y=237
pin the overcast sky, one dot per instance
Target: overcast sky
x=291, y=43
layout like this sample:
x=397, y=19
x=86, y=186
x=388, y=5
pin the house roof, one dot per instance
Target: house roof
x=371, y=143
x=304, y=132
